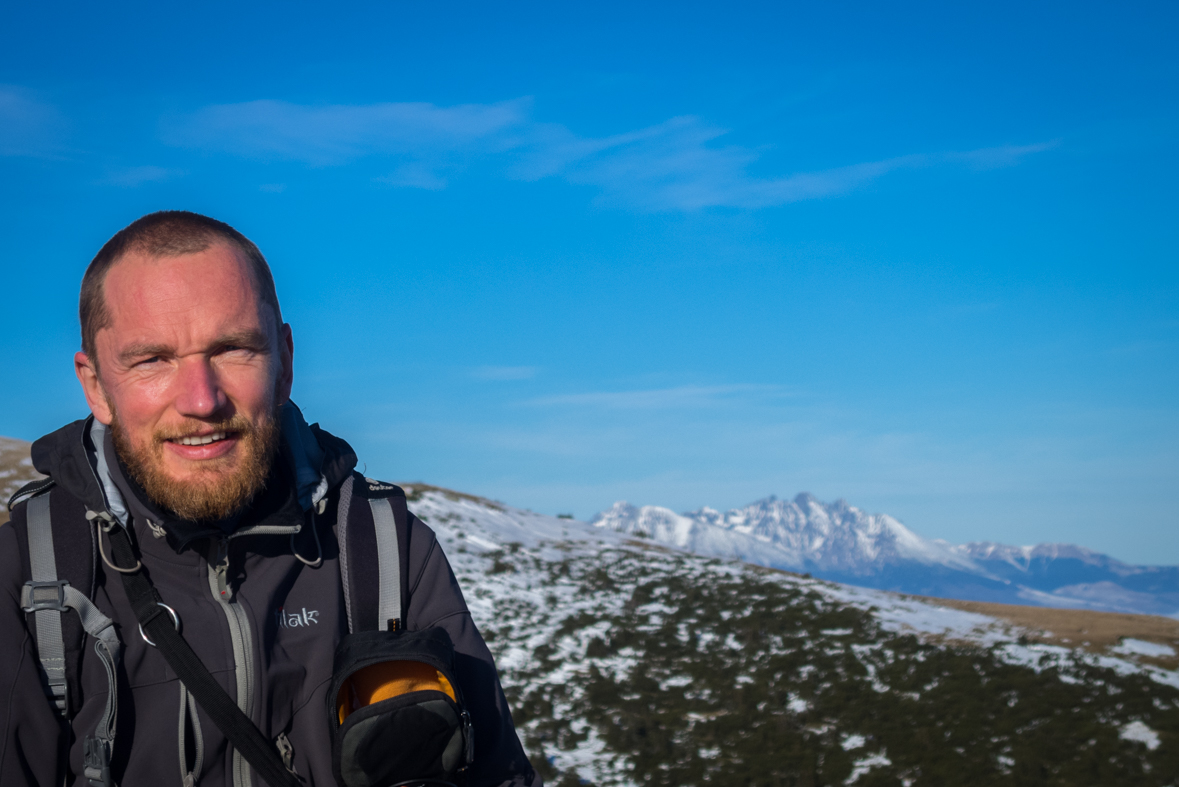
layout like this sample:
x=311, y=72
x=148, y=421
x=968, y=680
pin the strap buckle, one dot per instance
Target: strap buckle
x=45, y=594
x=96, y=762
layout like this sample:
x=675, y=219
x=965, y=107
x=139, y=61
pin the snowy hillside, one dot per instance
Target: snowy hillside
x=628, y=663
x=840, y=542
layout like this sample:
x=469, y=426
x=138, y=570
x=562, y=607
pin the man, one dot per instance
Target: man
x=232, y=505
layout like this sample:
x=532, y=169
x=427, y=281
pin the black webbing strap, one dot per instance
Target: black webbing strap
x=224, y=712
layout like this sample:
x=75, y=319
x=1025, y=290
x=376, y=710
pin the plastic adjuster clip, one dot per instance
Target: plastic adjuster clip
x=46, y=594
x=96, y=763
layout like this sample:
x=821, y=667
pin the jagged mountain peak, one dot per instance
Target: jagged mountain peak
x=801, y=533
x=840, y=541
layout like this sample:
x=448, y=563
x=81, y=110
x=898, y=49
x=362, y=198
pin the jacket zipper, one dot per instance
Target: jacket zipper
x=239, y=631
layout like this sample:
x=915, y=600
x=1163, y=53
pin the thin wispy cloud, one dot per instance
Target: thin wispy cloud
x=339, y=134
x=1002, y=156
x=130, y=177
x=690, y=396
x=415, y=174
x=28, y=126
x=504, y=372
x=679, y=165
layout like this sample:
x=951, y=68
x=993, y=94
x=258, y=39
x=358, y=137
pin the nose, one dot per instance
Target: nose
x=199, y=393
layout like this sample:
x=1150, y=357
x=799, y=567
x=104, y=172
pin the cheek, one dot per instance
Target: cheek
x=138, y=401
x=250, y=386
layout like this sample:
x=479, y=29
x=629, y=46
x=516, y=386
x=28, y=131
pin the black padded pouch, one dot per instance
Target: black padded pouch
x=419, y=737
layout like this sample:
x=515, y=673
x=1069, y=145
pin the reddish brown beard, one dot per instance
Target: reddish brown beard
x=218, y=491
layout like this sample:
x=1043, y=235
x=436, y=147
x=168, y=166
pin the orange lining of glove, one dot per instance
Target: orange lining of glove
x=388, y=679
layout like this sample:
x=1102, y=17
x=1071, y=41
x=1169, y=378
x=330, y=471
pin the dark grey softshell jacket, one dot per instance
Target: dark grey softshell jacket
x=268, y=637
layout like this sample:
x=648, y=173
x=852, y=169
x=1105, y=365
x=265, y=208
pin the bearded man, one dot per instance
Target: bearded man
x=197, y=488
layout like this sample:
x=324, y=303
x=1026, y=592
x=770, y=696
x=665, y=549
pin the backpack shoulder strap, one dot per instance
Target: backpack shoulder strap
x=372, y=527
x=47, y=594
x=61, y=549
x=61, y=581
x=29, y=490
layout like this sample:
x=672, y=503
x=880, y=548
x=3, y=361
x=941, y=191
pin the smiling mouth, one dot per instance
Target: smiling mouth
x=201, y=439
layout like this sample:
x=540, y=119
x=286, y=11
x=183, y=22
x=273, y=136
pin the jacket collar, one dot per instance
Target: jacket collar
x=80, y=458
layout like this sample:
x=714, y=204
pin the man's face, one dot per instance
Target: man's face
x=190, y=373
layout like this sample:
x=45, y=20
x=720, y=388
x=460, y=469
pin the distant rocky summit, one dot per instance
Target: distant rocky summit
x=840, y=542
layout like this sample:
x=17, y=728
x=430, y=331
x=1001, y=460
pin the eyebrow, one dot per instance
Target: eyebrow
x=252, y=340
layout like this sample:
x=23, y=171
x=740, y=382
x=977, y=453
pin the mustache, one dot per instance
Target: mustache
x=237, y=424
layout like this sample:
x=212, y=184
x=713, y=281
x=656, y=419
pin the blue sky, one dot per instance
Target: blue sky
x=920, y=257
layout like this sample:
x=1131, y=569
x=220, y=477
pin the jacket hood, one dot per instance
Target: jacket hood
x=74, y=458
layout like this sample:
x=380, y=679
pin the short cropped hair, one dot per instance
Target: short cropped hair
x=166, y=233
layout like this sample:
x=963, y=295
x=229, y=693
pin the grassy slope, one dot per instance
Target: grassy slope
x=685, y=672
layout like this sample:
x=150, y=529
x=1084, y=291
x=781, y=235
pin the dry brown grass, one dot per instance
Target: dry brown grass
x=1079, y=628
x=415, y=489
x=16, y=470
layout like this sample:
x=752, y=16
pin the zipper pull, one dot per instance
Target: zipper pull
x=469, y=739
x=287, y=752
x=221, y=568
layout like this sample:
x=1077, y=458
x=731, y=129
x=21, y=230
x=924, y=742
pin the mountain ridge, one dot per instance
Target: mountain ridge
x=843, y=543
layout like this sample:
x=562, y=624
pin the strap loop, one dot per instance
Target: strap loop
x=175, y=622
x=44, y=594
x=109, y=525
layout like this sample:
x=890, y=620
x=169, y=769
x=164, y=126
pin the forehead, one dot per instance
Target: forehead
x=188, y=295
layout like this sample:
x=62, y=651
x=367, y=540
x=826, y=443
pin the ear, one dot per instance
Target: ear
x=286, y=371
x=92, y=388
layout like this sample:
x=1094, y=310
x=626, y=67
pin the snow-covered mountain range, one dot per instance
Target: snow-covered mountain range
x=840, y=542
x=630, y=663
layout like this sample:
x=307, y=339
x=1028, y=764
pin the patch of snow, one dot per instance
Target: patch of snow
x=852, y=741
x=862, y=766
x=1139, y=732
x=1140, y=647
x=483, y=542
